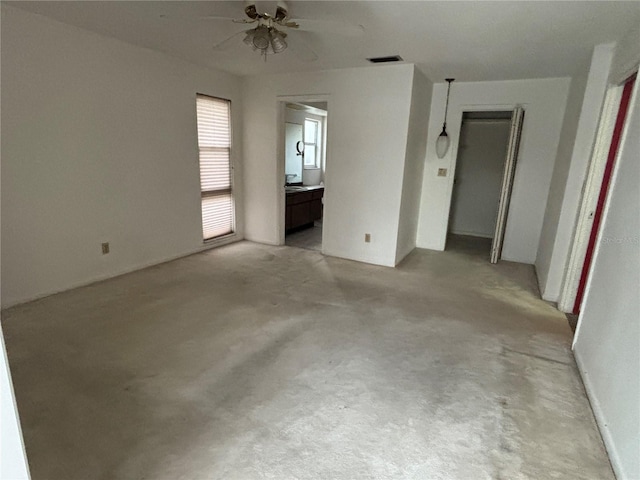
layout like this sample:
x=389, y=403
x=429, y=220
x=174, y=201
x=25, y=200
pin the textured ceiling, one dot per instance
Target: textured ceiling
x=466, y=40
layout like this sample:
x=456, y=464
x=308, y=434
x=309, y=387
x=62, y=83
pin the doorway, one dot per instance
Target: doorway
x=485, y=167
x=305, y=146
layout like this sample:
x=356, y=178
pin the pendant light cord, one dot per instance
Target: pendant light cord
x=446, y=108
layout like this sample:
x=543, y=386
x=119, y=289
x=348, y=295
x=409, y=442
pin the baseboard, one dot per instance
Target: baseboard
x=374, y=260
x=262, y=241
x=609, y=443
x=439, y=247
x=125, y=271
x=507, y=258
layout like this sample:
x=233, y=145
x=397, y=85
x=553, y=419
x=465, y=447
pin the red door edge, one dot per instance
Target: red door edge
x=604, y=188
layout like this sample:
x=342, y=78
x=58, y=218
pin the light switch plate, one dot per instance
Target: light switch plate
x=442, y=172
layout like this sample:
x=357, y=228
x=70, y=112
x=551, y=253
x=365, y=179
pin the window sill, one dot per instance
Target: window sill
x=219, y=241
x=311, y=168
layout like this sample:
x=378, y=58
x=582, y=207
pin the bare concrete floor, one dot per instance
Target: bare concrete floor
x=253, y=361
x=309, y=238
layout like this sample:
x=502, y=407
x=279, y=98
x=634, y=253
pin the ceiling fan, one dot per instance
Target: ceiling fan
x=268, y=37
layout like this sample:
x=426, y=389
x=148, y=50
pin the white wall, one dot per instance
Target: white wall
x=627, y=56
x=367, y=130
x=608, y=334
x=482, y=152
x=574, y=154
x=544, y=103
x=98, y=144
x=414, y=164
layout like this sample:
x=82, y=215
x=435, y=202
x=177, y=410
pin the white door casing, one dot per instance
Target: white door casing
x=507, y=182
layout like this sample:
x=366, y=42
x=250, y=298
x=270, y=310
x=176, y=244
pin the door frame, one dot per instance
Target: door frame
x=590, y=190
x=282, y=101
x=509, y=173
x=502, y=107
x=594, y=195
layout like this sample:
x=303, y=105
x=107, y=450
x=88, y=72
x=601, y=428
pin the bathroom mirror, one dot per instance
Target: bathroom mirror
x=293, y=155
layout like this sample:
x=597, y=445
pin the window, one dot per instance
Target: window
x=214, y=144
x=311, y=143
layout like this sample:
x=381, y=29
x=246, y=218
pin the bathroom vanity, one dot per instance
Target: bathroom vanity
x=303, y=206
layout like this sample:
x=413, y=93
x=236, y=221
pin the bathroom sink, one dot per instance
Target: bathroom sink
x=294, y=188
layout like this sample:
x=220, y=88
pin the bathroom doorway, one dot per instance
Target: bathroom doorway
x=305, y=146
x=485, y=167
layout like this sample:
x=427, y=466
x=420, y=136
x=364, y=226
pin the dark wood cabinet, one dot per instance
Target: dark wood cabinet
x=303, y=207
x=315, y=209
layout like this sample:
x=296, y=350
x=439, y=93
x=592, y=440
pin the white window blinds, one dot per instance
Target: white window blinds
x=214, y=143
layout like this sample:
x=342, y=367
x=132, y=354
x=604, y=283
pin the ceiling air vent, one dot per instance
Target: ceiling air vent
x=393, y=58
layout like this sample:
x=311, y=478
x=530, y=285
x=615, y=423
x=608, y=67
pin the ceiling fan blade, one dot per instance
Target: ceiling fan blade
x=288, y=24
x=227, y=19
x=243, y=20
x=301, y=49
x=322, y=26
x=220, y=46
x=215, y=17
x=208, y=17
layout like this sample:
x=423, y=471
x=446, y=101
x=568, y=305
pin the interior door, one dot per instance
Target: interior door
x=507, y=182
x=604, y=189
x=293, y=147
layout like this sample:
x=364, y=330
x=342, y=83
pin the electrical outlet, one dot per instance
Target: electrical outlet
x=367, y=238
x=442, y=172
x=105, y=248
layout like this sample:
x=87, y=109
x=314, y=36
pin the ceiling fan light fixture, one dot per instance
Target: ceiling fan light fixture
x=248, y=38
x=266, y=40
x=268, y=51
x=278, y=42
x=261, y=38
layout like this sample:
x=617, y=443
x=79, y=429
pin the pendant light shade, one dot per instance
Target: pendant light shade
x=442, y=143
x=277, y=41
x=261, y=38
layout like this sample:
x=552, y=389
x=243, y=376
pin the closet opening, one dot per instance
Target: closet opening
x=485, y=167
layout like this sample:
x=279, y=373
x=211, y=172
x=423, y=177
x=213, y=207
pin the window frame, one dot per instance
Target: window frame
x=230, y=191
x=318, y=144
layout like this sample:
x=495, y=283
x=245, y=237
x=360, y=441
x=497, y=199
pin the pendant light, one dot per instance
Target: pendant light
x=442, y=144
